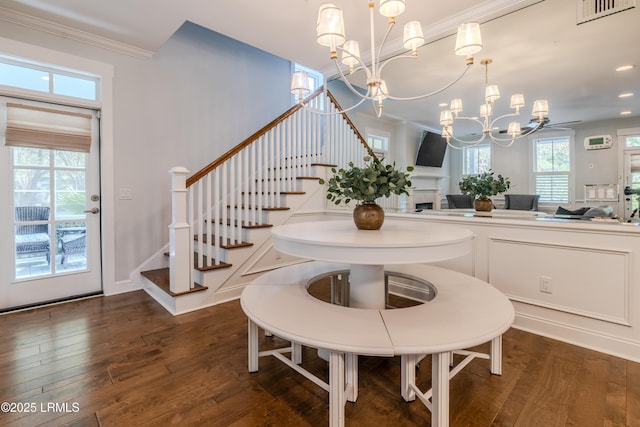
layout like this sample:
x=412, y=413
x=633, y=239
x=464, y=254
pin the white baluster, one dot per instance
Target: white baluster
x=217, y=225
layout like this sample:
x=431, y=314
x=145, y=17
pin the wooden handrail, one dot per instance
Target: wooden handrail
x=235, y=150
x=351, y=125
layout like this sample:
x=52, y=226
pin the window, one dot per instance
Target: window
x=552, y=168
x=476, y=159
x=27, y=76
x=379, y=144
x=316, y=79
x=632, y=141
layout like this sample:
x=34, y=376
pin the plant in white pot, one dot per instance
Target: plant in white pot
x=483, y=186
x=365, y=185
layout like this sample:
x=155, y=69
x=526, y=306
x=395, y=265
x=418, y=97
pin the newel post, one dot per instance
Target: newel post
x=180, y=235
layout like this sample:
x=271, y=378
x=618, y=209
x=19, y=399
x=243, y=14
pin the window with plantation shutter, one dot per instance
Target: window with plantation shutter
x=552, y=168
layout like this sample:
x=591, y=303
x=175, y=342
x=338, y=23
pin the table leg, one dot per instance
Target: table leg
x=352, y=376
x=296, y=353
x=336, y=389
x=440, y=388
x=366, y=284
x=496, y=355
x=253, y=346
x=408, y=376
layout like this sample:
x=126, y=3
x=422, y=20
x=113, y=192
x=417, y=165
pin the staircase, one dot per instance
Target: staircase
x=220, y=235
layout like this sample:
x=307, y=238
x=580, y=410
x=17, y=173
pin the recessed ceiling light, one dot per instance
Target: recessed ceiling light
x=443, y=104
x=625, y=68
x=625, y=95
x=625, y=113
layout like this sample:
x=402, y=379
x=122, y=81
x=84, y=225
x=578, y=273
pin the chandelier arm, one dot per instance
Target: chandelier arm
x=535, y=129
x=435, y=92
x=350, y=86
x=362, y=64
x=384, y=40
x=499, y=141
x=376, y=108
x=475, y=142
x=406, y=55
x=470, y=119
x=493, y=122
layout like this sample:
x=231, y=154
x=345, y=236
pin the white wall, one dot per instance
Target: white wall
x=201, y=94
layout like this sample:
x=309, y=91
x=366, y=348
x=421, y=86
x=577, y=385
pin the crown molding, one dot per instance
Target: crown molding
x=70, y=33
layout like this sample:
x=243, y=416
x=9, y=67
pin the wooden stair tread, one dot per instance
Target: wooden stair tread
x=161, y=279
x=212, y=266
x=285, y=179
x=264, y=208
x=227, y=245
x=271, y=192
x=246, y=225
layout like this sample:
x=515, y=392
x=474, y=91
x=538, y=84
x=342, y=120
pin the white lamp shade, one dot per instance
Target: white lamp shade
x=540, y=108
x=517, y=100
x=446, y=118
x=412, y=37
x=491, y=93
x=485, y=110
x=330, y=26
x=390, y=8
x=456, y=105
x=300, y=84
x=514, y=129
x=469, y=39
x=350, y=53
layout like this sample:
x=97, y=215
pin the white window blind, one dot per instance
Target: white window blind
x=552, y=168
x=36, y=127
x=635, y=163
x=553, y=187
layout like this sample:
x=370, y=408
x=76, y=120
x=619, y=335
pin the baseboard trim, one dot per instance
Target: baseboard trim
x=593, y=340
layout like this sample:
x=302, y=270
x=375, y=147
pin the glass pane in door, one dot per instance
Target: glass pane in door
x=32, y=212
x=49, y=195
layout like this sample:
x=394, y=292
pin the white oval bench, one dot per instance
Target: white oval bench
x=465, y=312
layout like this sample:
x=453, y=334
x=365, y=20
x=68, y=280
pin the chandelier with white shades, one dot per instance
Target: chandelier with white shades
x=492, y=94
x=331, y=33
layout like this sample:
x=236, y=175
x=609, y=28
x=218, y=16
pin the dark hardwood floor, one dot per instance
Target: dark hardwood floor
x=124, y=361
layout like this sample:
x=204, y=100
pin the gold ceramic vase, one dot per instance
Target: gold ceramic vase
x=368, y=216
x=483, y=204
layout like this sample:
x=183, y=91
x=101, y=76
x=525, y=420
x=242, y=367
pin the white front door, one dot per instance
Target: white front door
x=50, y=217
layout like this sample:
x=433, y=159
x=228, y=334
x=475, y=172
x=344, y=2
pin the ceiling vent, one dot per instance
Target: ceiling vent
x=588, y=10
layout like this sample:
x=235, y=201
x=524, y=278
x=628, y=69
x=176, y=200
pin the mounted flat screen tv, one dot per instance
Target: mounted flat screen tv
x=432, y=150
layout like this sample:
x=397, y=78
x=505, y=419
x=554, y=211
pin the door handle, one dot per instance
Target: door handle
x=92, y=210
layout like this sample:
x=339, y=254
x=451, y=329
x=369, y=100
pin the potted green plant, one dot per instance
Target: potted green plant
x=365, y=185
x=482, y=187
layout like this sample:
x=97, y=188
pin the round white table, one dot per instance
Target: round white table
x=368, y=251
x=465, y=312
